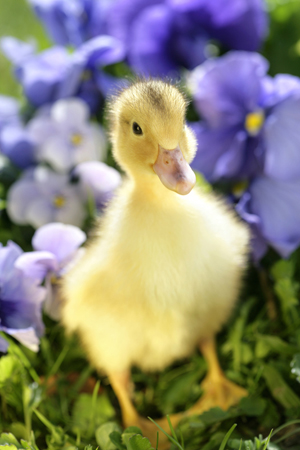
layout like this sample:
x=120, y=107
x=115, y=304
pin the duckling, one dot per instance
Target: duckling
x=164, y=271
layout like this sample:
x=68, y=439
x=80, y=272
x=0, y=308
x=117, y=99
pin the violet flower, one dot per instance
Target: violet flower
x=98, y=180
x=14, y=140
x=250, y=121
x=9, y=111
x=20, y=301
x=57, y=248
x=272, y=208
x=55, y=73
x=17, y=145
x=163, y=36
x=71, y=22
x=41, y=196
x=64, y=137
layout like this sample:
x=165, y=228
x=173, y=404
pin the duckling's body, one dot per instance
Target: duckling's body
x=155, y=282
x=164, y=272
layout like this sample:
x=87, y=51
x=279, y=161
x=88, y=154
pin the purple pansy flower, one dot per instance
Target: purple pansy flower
x=71, y=22
x=14, y=140
x=17, y=145
x=272, y=209
x=163, y=35
x=41, y=196
x=64, y=137
x=20, y=301
x=55, y=73
x=250, y=121
x=99, y=180
x=9, y=111
x=57, y=247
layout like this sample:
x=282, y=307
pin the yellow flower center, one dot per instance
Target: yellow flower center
x=59, y=201
x=54, y=279
x=254, y=122
x=239, y=188
x=76, y=139
x=86, y=75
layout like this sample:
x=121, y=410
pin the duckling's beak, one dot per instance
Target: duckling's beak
x=173, y=170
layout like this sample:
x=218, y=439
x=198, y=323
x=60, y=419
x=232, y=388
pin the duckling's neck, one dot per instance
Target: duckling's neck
x=149, y=188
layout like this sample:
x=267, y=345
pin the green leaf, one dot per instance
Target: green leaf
x=128, y=433
x=8, y=447
x=283, y=269
x=9, y=438
x=116, y=439
x=295, y=366
x=8, y=364
x=103, y=435
x=280, y=389
x=214, y=415
x=252, y=406
x=138, y=442
x=85, y=408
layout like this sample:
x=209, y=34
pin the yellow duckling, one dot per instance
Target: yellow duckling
x=164, y=272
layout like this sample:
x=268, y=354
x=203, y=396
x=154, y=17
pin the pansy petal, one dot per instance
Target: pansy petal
x=17, y=145
x=230, y=162
x=39, y=212
x=37, y=264
x=3, y=344
x=282, y=136
x=59, y=239
x=149, y=50
x=17, y=200
x=212, y=158
x=277, y=205
x=71, y=110
x=226, y=88
x=27, y=337
x=73, y=212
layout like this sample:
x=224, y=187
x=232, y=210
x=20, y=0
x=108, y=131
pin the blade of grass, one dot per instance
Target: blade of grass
x=292, y=422
x=93, y=411
x=166, y=434
x=268, y=440
x=297, y=430
x=59, y=360
x=171, y=428
x=227, y=436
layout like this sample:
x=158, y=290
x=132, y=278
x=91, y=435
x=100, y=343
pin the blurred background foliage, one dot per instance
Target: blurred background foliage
x=282, y=48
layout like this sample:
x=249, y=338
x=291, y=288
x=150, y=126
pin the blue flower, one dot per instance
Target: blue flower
x=41, y=196
x=98, y=180
x=57, y=247
x=55, y=73
x=64, y=137
x=17, y=144
x=71, y=22
x=9, y=111
x=20, y=301
x=250, y=121
x=163, y=36
x=272, y=208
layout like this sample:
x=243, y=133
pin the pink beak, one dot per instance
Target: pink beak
x=173, y=171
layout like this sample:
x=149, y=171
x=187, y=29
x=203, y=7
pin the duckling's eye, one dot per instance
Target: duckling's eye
x=136, y=128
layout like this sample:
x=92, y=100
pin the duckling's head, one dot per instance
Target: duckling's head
x=150, y=136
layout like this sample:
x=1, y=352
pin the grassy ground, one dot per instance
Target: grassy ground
x=56, y=395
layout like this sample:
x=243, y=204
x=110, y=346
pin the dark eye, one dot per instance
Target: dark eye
x=136, y=128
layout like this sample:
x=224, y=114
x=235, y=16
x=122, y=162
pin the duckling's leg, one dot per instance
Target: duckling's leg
x=122, y=386
x=218, y=390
